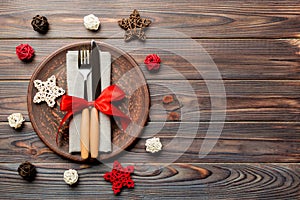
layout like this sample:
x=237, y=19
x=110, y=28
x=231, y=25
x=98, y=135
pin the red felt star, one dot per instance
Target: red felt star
x=120, y=177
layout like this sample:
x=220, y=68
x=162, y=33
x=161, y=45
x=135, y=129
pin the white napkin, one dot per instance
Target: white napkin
x=75, y=88
x=105, y=125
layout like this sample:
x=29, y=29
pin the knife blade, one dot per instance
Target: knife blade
x=96, y=76
x=96, y=73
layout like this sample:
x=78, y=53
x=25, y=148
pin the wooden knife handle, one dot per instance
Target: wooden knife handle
x=85, y=133
x=94, y=133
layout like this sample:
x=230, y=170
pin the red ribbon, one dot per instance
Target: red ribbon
x=103, y=103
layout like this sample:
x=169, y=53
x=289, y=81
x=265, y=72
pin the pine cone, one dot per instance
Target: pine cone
x=27, y=171
x=40, y=24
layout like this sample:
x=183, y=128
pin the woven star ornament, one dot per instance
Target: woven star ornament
x=47, y=91
x=134, y=26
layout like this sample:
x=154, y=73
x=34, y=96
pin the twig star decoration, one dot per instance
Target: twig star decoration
x=134, y=26
x=47, y=91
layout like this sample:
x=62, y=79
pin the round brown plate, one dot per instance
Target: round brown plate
x=125, y=73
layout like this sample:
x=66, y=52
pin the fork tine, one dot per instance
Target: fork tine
x=85, y=57
x=81, y=57
x=88, y=56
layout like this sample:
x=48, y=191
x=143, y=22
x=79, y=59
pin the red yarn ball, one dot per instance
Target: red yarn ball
x=25, y=52
x=152, y=62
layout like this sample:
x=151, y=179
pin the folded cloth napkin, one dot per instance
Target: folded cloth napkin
x=75, y=86
x=105, y=125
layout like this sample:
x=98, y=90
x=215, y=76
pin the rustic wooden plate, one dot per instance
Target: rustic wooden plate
x=45, y=120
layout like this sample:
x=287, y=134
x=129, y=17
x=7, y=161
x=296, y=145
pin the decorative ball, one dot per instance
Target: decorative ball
x=27, y=171
x=153, y=145
x=152, y=62
x=25, y=52
x=91, y=22
x=70, y=176
x=15, y=120
x=40, y=24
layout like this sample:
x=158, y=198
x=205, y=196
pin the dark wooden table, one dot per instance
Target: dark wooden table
x=254, y=44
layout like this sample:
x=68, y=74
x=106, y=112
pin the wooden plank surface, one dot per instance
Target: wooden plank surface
x=235, y=59
x=255, y=47
x=198, y=19
x=229, y=181
x=259, y=142
x=246, y=100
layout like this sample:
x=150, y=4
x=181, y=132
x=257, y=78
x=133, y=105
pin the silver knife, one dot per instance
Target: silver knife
x=96, y=77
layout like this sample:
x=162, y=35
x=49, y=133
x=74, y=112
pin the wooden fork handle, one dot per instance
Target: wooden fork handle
x=85, y=133
x=94, y=133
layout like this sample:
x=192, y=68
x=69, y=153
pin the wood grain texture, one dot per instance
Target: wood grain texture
x=217, y=19
x=235, y=59
x=176, y=181
x=255, y=45
x=239, y=142
x=246, y=100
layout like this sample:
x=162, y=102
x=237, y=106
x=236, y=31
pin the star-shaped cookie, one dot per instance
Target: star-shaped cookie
x=134, y=26
x=47, y=91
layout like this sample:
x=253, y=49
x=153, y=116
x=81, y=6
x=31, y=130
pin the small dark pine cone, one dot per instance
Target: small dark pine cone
x=40, y=24
x=27, y=171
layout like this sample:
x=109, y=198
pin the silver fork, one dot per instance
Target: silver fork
x=85, y=69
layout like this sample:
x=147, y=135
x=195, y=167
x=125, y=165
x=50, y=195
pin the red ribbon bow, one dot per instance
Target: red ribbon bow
x=103, y=103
